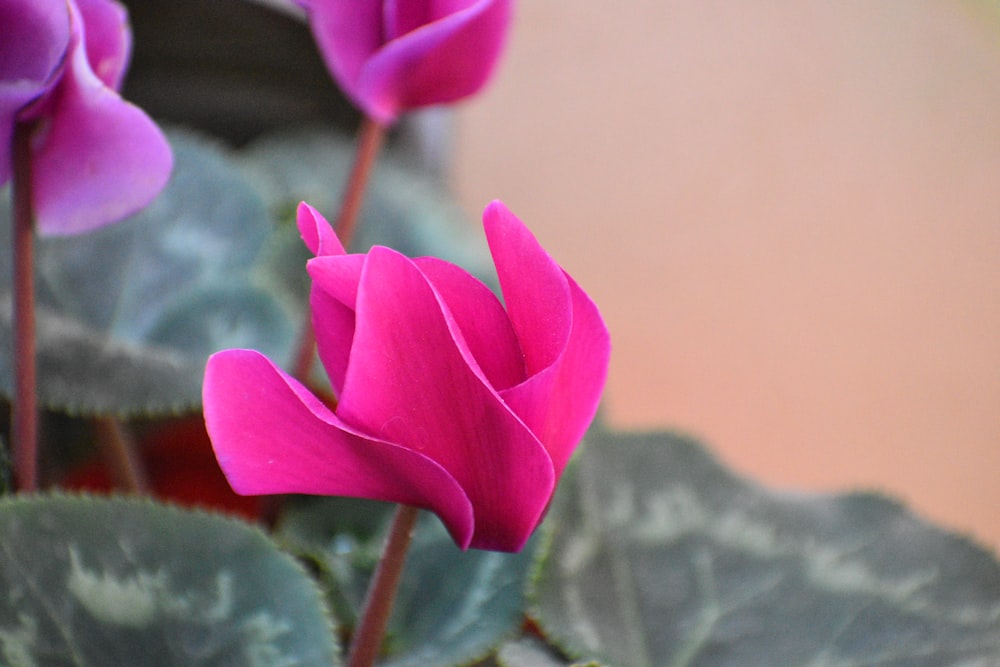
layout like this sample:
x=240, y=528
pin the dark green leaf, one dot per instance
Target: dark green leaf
x=129, y=582
x=659, y=556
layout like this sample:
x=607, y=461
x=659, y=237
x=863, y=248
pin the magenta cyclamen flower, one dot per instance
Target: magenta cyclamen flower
x=392, y=55
x=446, y=400
x=95, y=158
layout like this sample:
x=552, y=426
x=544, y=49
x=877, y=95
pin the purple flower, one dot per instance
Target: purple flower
x=392, y=55
x=446, y=400
x=94, y=157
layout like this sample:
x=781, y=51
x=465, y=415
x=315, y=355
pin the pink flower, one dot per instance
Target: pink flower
x=446, y=400
x=95, y=158
x=392, y=55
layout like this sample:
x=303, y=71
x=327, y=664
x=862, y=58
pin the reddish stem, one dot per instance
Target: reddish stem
x=25, y=407
x=381, y=594
x=370, y=137
x=121, y=455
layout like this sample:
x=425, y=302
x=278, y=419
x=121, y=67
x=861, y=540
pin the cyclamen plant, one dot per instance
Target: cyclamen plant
x=546, y=540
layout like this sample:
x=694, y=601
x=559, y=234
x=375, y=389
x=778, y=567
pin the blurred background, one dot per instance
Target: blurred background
x=789, y=213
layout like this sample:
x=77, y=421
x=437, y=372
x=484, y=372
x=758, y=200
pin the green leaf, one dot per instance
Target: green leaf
x=128, y=314
x=660, y=556
x=129, y=582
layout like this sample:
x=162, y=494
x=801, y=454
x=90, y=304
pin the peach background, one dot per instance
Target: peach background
x=789, y=213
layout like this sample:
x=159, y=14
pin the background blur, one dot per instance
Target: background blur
x=789, y=213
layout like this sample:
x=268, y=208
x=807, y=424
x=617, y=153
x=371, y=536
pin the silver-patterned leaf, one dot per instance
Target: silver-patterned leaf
x=91, y=582
x=660, y=556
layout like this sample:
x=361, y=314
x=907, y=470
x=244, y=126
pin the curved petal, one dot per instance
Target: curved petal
x=97, y=158
x=403, y=16
x=333, y=327
x=482, y=320
x=332, y=299
x=560, y=402
x=565, y=342
x=107, y=38
x=338, y=275
x=271, y=435
x=440, y=62
x=36, y=36
x=332, y=318
x=316, y=232
x=347, y=33
x=406, y=373
x=535, y=288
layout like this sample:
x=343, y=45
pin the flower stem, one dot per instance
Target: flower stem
x=25, y=407
x=382, y=590
x=121, y=455
x=370, y=137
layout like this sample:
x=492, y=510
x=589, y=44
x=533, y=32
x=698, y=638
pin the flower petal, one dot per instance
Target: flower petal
x=440, y=62
x=316, y=232
x=272, y=436
x=560, y=402
x=565, y=341
x=535, y=288
x=36, y=35
x=403, y=16
x=333, y=327
x=347, y=32
x=107, y=38
x=482, y=320
x=97, y=158
x=332, y=300
x=406, y=372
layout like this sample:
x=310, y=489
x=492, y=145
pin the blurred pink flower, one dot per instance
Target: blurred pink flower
x=392, y=55
x=447, y=401
x=95, y=158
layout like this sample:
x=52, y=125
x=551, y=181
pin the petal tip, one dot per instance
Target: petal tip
x=316, y=231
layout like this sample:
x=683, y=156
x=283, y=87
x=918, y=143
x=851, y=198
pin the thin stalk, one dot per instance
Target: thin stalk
x=382, y=590
x=121, y=456
x=370, y=137
x=25, y=406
